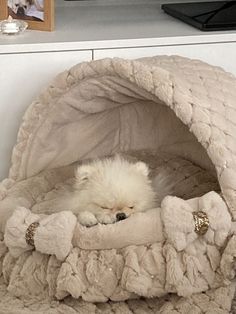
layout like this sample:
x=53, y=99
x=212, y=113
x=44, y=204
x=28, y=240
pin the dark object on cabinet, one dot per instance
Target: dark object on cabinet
x=207, y=16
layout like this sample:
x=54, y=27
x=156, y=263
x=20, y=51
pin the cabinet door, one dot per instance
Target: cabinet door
x=22, y=77
x=219, y=54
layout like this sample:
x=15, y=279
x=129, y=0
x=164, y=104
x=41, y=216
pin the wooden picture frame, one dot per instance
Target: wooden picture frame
x=38, y=16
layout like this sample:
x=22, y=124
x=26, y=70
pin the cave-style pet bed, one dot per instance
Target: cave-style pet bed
x=177, y=114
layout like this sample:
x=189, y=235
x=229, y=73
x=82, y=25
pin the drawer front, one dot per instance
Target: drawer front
x=22, y=77
x=219, y=54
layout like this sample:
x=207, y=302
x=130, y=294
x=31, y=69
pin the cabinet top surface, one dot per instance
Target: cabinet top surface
x=100, y=24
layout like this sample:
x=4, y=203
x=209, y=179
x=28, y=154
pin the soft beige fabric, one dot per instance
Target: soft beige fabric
x=168, y=104
x=26, y=192
x=53, y=235
x=168, y=256
x=212, y=302
x=168, y=253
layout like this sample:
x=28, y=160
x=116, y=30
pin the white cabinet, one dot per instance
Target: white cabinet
x=22, y=77
x=219, y=54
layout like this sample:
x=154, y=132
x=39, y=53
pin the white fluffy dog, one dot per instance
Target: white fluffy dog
x=111, y=189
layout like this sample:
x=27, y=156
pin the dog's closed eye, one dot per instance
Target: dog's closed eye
x=104, y=207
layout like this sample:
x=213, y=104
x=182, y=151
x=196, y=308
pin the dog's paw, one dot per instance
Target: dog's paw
x=105, y=218
x=87, y=219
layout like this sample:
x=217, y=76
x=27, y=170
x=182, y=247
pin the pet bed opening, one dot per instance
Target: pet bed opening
x=85, y=124
x=103, y=116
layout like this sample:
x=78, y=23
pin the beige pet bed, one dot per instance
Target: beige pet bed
x=176, y=114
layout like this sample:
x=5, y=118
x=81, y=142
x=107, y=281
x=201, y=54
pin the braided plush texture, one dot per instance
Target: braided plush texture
x=121, y=93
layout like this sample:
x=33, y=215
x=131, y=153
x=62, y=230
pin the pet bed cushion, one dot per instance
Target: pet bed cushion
x=181, y=109
x=179, y=176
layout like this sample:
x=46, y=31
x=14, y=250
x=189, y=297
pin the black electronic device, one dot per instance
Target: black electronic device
x=207, y=16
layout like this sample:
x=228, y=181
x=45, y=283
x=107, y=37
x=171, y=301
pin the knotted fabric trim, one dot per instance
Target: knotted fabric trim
x=186, y=221
x=48, y=234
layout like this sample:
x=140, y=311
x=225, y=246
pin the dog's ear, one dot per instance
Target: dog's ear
x=142, y=168
x=83, y=173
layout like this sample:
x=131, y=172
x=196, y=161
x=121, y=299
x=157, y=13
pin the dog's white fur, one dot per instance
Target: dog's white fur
x=110, y=186
x=23, y=4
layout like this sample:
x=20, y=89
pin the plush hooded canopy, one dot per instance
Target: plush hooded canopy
x=169, y=104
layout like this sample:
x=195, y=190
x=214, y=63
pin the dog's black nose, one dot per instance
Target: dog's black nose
x=20, y=11
x=120, y=216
